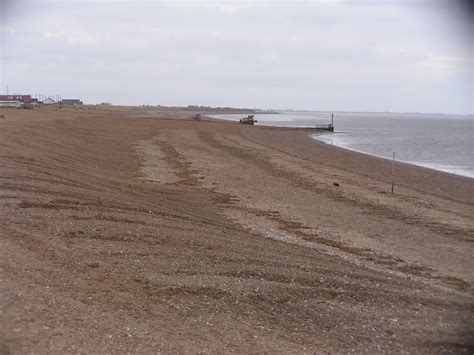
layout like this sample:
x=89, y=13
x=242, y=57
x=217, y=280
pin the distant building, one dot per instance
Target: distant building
x=25, y=99
x=49, y=101
x=71, y=102
x=10, y=103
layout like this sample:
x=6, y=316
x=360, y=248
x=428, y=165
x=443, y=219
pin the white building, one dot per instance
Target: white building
x=49, y=101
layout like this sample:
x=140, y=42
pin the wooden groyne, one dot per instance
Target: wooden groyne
x=324, y=127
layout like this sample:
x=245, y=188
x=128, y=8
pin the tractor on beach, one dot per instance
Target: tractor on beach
x=248, y=120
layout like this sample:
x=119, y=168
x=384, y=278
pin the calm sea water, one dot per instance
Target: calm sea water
x=440, y=142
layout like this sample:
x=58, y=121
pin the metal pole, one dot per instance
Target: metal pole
x=393, y=171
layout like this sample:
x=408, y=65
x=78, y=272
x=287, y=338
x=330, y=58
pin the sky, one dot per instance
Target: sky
x=400, y=56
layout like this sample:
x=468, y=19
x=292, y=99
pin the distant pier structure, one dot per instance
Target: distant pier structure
x=327, y=127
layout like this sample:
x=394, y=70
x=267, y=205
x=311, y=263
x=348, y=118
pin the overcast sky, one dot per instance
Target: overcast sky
x=404, y=56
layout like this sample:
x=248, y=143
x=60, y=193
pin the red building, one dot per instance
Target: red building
x=26, y=99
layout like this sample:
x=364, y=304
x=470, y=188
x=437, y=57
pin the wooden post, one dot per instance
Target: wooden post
x=393, y=171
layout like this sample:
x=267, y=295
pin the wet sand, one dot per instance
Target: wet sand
x=133, y=230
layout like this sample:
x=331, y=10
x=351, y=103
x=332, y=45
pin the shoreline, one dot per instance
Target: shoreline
x=313, y=131
x=419, y=165
x=379, y=168
x=446, y=168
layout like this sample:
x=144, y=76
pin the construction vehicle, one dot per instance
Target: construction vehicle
x=248, y=120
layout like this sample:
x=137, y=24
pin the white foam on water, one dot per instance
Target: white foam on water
x=462, y=170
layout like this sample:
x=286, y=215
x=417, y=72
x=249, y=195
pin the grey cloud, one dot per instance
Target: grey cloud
x=321, y=55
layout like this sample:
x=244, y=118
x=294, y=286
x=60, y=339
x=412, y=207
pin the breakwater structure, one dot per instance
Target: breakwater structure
x=326, y=127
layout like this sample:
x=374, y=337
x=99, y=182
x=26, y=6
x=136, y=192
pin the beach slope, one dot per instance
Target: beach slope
x=144, y=231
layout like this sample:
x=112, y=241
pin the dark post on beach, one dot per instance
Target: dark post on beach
x=393, y=171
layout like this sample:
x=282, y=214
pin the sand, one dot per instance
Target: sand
x=140, y=230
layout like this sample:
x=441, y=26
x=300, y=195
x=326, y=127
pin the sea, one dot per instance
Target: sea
x=438, y=141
